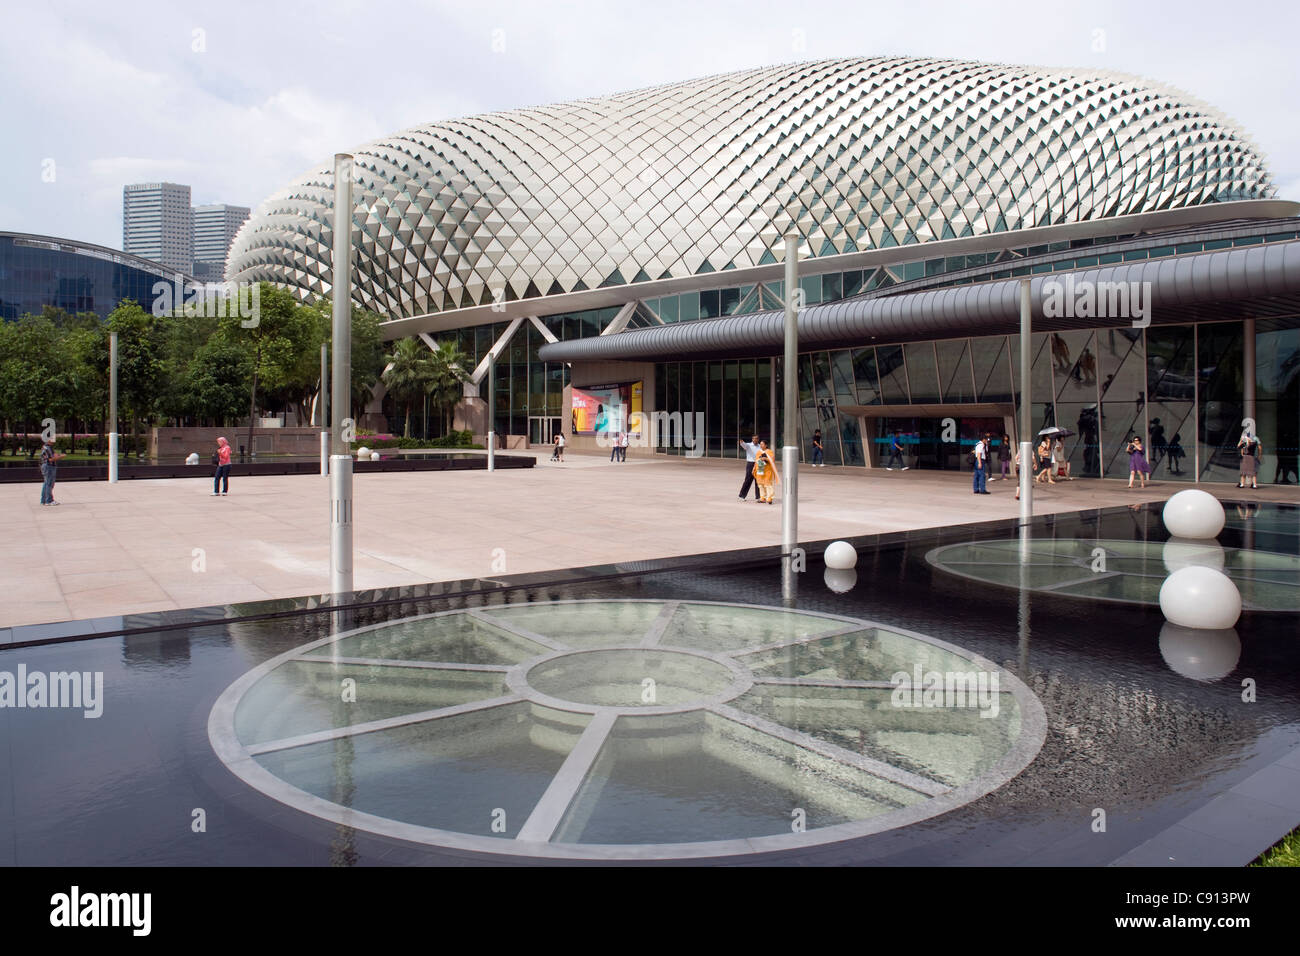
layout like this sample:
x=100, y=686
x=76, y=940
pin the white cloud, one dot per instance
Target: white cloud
x=117, y=94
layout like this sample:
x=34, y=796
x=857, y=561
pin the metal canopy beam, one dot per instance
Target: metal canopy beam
x=1184, y=288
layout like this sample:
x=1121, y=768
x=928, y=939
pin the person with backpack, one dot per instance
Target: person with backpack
x=221, y=458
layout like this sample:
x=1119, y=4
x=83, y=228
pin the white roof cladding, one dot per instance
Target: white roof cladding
x=705, y=175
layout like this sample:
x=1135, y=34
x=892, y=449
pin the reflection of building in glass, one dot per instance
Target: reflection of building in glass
x=612, y=230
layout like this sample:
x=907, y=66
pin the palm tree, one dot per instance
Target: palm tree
x=411, y=372
x=447, y=386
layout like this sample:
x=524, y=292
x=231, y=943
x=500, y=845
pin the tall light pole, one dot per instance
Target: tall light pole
x=324, y=406
x=1026, y=408
x=343, y=428
x=112, y=407
x=790, y=448
x=491, y=410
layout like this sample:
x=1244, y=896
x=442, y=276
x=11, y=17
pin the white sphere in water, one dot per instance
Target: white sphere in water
x=1198, y=653
x=374, y=456
x=363, y=453
x=193, y=458
x=840, y=555
x=1188, y=552
x=1201, y=598
x=1194, y=514
x=841, y=580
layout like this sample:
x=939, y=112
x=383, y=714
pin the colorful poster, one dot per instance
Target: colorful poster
x=607, y=409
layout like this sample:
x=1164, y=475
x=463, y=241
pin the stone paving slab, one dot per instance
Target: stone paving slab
x=163, y=544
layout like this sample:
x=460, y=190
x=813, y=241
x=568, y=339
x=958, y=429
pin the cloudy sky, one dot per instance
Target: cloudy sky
x=236, y=98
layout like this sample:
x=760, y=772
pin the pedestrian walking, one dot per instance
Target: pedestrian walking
x=622, y=446
x=765, y=472
x=1137, y=463
x=555, y=447
x=1004, y=455
x=979, y=458
x=221, y=458
x=817, y=450
x=896, y=451
x=751, y=454
x=1060, y=464
x=49, y=469
x=1249, y=448
x=559, y=447
x=1044, y=467
x=613, y=446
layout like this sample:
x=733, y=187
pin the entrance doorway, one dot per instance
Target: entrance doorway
x=941, y=444
x=542, y=429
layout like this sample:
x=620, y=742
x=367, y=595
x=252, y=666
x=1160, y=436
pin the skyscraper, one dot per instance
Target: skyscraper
x=157, y=224
x=214, y=230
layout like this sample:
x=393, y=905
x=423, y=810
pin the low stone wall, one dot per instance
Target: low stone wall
x=171, y=442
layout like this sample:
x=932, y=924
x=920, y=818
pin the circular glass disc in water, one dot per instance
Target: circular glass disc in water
x=626, y=729
x=1131, y=572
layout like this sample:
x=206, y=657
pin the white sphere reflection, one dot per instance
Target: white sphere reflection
x=1193, y=514
x=374, y=456
x=1200, y=597
x=840, y=555
x=1198, y=653
x=841, y=580
x=1188, y=552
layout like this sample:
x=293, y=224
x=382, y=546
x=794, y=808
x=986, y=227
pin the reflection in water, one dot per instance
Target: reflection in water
x=1199, y=654
x=1022, y=605
x=841, y=580
x=789, y=582
x=1187, y=552
x=343, y=845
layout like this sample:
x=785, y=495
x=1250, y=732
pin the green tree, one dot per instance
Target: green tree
x=215, y=381
x=180, y=339
x=139, y=369
x=35, y=371
x=450, y=375
x=368, y=359
x=274, y=341
x=410, y=375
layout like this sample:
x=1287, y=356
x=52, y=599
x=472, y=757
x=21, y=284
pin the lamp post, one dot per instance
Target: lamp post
x=324, y=404
x=342, y=431
x=112, y=407
x=491, y=411
x=1026, y=408
x=790, y=447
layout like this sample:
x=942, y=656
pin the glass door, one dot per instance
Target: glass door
x=542, y=429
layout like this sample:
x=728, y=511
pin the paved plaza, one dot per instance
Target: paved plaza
x=154, y=545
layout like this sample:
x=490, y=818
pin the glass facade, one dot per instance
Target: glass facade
x=35, y=273
x=1179, y=387
x=526, y=387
